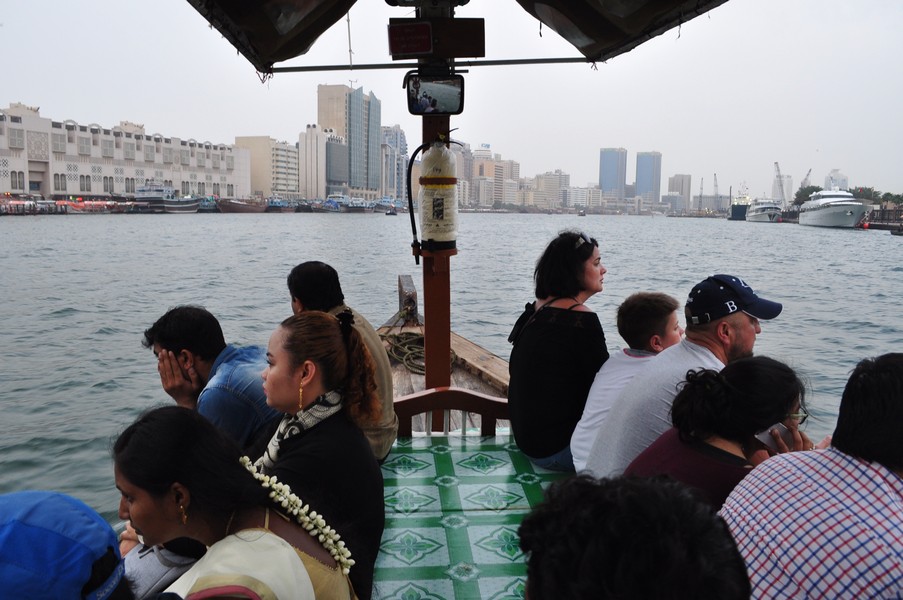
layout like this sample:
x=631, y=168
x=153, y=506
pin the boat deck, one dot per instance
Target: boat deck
x=455, y=496
x=453, y=507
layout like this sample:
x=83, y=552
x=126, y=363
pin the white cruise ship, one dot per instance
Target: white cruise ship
x=832, y=208
x=763, y=210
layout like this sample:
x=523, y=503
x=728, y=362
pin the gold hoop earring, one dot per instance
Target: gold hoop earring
x=184, y=516
x=300, y=398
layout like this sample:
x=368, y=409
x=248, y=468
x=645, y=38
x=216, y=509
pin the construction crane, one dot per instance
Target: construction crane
x=805, y=182
x=700, y=194
x=780, y=180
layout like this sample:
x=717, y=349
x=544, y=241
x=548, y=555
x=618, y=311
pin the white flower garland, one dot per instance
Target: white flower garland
x=309, y=519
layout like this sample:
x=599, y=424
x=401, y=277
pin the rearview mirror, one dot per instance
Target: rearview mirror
x=435, y=95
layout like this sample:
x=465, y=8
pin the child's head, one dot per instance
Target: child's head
x=648, y=321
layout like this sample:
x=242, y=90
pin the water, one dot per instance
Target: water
x=78, y=291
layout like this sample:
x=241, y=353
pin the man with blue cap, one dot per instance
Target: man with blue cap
x=723, y=314
x=55, y=547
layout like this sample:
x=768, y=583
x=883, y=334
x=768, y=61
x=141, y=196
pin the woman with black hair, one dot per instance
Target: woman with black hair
x=716, y=416
x=179, y=476
x=559, y=346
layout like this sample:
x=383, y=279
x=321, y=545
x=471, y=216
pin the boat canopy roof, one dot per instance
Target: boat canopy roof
x=267, y=33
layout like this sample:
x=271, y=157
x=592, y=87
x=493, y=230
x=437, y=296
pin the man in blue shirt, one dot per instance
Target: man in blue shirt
x=201, y=372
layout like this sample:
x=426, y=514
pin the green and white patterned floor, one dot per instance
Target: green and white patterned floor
x=453, y=506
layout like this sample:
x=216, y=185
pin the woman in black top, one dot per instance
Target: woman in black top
x=321, y=375
x=559, y=346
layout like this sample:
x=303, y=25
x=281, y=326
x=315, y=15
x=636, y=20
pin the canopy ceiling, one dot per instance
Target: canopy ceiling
x=271, y=31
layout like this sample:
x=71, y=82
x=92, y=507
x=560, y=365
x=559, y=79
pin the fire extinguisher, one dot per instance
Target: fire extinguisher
x=437, y=199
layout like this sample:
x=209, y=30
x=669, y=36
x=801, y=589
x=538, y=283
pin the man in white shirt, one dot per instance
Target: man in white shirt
x=648, y=323
x=723, y=314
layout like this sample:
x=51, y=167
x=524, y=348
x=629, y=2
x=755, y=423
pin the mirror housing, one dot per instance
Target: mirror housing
x=436, y=95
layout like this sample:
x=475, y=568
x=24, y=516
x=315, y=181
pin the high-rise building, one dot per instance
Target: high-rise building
x=681, y=184
x=507, y=173
x=312, y=161
x=783, y=189
x=612, y=172
x=355, y=116
x=649, y=176
x=550, y=188
x=274, y=166
x=395, y=163
x=836, y=179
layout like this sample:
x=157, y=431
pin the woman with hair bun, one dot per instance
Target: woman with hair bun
x=716, y=417
x=321, y=376
x=559, y=347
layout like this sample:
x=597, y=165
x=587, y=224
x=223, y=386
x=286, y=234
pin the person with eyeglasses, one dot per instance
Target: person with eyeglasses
x=829, y=524
x=559, y=347
x=723, y=316
x=716, y=416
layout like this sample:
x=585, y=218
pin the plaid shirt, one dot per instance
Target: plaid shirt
x=820, y=524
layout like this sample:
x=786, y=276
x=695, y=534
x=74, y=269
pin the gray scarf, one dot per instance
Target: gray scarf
x=323, y=407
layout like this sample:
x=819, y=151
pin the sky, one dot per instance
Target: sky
x=811, y=84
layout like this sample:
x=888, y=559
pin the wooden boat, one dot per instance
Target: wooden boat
x=230, y=205
x=474, y=368
x=444, y=492
x=187, y=204
x=279, y=204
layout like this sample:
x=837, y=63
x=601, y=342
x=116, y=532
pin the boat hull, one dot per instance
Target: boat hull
x=770, y=215
x=841, y=214
x=240, y=206
x=738, y=212
x=186, y=206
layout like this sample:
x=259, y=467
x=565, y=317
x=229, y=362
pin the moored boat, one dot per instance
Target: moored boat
x=188, y=204
x=279, y=204
x=353, y=205
x=208, y=205
x=764, y=210
x=740, y=205
x=231, y=205
x=330, y=205
x=155, y=194
x=832, y=208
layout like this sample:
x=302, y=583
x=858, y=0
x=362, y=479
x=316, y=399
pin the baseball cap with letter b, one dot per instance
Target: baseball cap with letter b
x=722, y=295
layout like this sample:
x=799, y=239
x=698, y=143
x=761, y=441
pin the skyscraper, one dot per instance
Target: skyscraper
x=395, y=166
x=649, y=176
x=612, y=172
x=355, y=117
x=680, y=184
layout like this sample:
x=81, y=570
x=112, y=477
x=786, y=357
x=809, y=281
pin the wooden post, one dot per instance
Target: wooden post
x=437, y=295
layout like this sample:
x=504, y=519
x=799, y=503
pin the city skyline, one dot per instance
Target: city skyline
x=807, y=84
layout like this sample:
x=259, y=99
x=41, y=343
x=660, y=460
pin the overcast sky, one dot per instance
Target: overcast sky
x=808, y=83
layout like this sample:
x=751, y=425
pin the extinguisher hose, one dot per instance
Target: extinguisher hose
x=416, y=243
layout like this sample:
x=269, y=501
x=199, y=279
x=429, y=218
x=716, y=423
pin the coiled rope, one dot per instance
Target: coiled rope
x=407, y=348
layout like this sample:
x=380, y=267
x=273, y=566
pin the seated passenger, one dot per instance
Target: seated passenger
x=314, y=285
x=829, y=524
x=320, y=375
x=716, y=416
x=200, y=371
x=180, y=477
x=648, y=323
x=559, y=347
x=53, y=546
x=628, y=538
x=723, y=314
